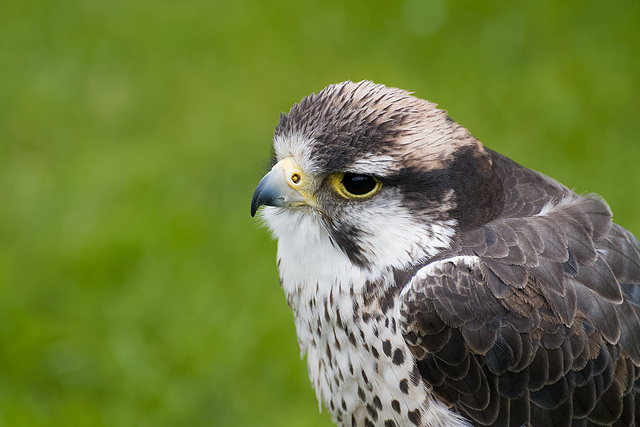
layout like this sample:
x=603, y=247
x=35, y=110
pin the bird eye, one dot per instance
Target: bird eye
x=358, y=185
x=354, y=185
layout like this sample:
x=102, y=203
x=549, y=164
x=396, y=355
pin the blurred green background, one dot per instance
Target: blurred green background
x=135, y=289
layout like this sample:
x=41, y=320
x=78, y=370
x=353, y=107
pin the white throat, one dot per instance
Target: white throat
x=308, y=259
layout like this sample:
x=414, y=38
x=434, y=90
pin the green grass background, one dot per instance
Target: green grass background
x=135, y=289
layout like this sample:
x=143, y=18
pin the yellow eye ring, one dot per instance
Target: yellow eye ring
x=355, y=186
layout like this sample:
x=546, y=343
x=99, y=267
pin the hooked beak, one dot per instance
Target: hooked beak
x=284, y=186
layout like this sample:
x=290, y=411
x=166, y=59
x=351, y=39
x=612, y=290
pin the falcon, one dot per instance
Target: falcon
x=435, y=282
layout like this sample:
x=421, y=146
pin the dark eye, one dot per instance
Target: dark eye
x=359, y=185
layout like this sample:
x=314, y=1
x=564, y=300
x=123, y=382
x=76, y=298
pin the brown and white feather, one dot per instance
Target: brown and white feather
x=469, y=290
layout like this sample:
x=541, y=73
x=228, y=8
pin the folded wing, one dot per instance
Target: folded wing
x=534, y=321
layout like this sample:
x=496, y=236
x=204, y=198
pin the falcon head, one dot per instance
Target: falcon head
x=373, y=174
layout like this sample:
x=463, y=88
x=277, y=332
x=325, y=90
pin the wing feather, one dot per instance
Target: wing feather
x=534, y=320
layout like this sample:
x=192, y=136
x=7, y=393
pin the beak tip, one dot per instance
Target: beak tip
x=256, y=202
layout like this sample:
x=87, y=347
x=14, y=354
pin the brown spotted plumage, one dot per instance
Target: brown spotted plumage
x=435, y=282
